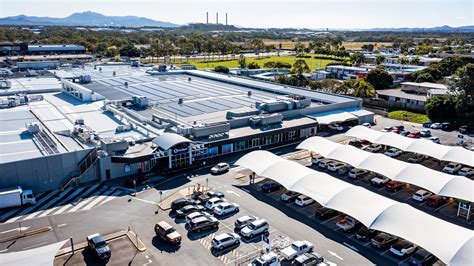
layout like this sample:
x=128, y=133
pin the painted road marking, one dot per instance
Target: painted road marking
x=15, y=229
x=335, y=255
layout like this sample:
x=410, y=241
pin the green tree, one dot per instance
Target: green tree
x=415, y=60
x=300, y=67
x=441, y=108
x=242, y=61
x=379, y=59
x=221, y=69
x=253, y=65
x=299, y=49
x=357, y=58
x=379, y=78
x=368, y=47
x=111, y=51
x=404, y=60
x=359, y=88
x=463, y=88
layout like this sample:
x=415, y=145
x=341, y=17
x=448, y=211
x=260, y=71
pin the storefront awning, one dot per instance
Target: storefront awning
x=168, y=140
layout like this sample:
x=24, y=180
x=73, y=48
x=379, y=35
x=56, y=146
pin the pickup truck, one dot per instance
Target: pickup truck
x=347, y=224
x=297, y=248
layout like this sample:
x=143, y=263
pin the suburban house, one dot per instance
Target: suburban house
x=413, y=95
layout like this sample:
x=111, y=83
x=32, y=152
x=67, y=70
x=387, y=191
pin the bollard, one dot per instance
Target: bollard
x=72, y=246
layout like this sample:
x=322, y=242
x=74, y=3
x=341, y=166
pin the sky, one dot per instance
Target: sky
x=333, y=14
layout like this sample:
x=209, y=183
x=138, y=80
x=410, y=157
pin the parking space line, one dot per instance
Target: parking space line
x=328, y=220
x=442, y=206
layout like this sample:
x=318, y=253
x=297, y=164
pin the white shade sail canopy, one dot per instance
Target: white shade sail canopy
x=168, y=140
x=450, y=243
x=42, y=256
x=421, y=146
x=327, y=118
x=437, y=182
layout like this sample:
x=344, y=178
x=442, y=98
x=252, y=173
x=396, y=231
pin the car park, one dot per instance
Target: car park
x=404, y=133
x=365, y=234
x=181, y=213
x=289, y=196
x=303, y=200
x=427, y=124
x=403, y=248
x=421, y=195
x=315, y=158
x=414, y=135
x=254, y=228
x=452, y=168
x=212, y=203
x=296, y=248
x=417, y=158
x=324, y=163
x=357, y=173
x=436, y=201
x=181, y=202
x=244, y=221
x=225, y=208
x=348, y=224
x=335, y=166
x=225, y=240
x=195, y=215
x=374, y=148
x=307, y=259
x=220, y=168
x=379, y=181
x=425, y=133
x=382, y=240
x=394, y=186
x=356, y=143
x=420, y=257
x=270, y=259
x=203, y=223
x=466, y=171
x=393, y=152
x=324, y=213
x=336, y=127
x=387, y=129
x=271, y=186
x=168, y=233
x=436, y=126
x=98, y=245
x=435, y=140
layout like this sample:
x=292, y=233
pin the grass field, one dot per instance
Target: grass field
x=409, y=116
x=287, y=44
x=312, y=62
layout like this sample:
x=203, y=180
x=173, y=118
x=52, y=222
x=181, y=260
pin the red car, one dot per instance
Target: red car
x=436, y=201
x=394, y=186
x=414, y=135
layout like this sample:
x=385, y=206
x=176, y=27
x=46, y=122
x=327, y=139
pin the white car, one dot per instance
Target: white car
x=373, y=148
x=357, y=172
x=436, y=126
x=435, y=140
x=254, y=228
x=225, y=240
x=195, y=215
x=316, y=158
x=220, y=168
x=270, y=259
x=387, y=129
x=303, y=200
x=226, y=208
x=324, y=163
x=347, y=224
x=421, y=195
x=336, y=127
x=244, y=221
x=466, y=171
x=452, y=168
x=379, y=181
x=393, y=152
x=403, y=248
x=367, y=125
x=212, y=203
x=334, y=167
x=417, y=158
x=289, y=196
x=296, y=248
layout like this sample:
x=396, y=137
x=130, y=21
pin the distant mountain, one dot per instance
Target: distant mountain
x=86, y=19
x=444, y=28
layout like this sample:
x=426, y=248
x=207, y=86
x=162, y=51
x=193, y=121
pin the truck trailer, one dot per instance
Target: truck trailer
x=15, y=197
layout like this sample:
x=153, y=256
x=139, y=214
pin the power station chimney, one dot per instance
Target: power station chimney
x=217, y=17
x=226, y=19
x=207, y=17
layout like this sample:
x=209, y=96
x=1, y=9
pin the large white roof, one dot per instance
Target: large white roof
x=422, y=146
x=450, y=243
x=437, y=182
x=168, y=140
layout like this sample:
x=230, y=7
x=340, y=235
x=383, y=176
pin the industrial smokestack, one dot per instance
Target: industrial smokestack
x=226, y=19
x=207, y=17
x=217, y=17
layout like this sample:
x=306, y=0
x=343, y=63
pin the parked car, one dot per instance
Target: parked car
x=403, y=248
x=324, y=213
x=400, y=127
x=270, y=259
x=289, y=196
x=303, y=200
x=405, y=133
x=181, y=213
x=348, y=224
x=425, y=133
x=324, y=163
x=181, y=202
x=427, y=124
x=421, y=195
x=394, y=186
x=226, y=208
x=436, y=126
x=195, y=215
x=466, y=171
x=464, y=129
x=244, y=221
x=365, y=234
x=168, y=233
x=307, y=259
x=387, y=129
x=446, y=126
x=382, y=240
x=316, y=158
x=204, y=197
x=220, y=168
x=452, y=168
x=336, y=127
x=215, y=194
x=271, y=186
x=435, y=140
x=203, y=223
x=356, y=143
x=420, y=257
x=373, y=147
x=436, y=201
x=379, y=181
x=225, y=240
x=335, y=166
x=254, y=228
x=393, y=152
x=414, y=135
x=296, y=248
x=417, y=158
x=357, y=173
x=367, y=125
x=98, y=245
x=212, y=203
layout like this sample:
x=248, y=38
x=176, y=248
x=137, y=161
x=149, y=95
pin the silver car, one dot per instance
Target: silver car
x=225, y=240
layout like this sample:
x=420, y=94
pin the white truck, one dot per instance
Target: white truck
x=296, y=248
x=14, y=197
